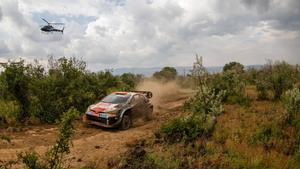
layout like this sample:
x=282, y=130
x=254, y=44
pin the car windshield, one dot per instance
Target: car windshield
x=115, y=98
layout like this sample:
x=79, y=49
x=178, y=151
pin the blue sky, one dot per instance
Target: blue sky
x=152, y=33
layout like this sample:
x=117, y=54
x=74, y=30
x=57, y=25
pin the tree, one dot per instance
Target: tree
x=276, y=77
x=167, y=73
x=207, y=100
x=16, y=81
x=233, y=66
x=130, y=80
x=231, y=80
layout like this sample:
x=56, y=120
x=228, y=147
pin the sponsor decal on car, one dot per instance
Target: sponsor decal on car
x=103, y=115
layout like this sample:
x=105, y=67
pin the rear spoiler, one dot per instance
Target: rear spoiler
x=148, y=94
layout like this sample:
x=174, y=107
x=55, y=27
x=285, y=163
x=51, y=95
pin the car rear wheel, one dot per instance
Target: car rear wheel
x=126, y=122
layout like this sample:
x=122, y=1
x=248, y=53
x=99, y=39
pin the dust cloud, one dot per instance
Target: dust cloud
x=162, y=91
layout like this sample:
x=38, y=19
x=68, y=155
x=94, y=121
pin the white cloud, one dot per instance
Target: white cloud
x=137, y=33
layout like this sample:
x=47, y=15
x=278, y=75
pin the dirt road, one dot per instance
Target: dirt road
x=92, y=144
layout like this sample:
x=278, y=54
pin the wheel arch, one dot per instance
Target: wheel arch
x=126, y=112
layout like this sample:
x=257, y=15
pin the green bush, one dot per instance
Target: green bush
x=204, y=107
x=206, y=101
x=16, y=81
x=187, y=129
x=291, y=102
x=9, y=110
x=232, y=82
x=250, y=75
x=277, y=78
x=262, y=89
x=5, y=138
x=130, y=81
x=30, y=160
x=265, y=133
x=233, y=66
x=166, y=74
x=53, y=158
x=45, y=94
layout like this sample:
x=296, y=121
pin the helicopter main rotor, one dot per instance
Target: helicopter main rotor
x=52, y=23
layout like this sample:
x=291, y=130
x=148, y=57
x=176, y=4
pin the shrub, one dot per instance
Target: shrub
x=233, y=66
x=9, y=110
x=30, y=160
x=66, y=85
x=53, y=157
x=276, y=77
x=62, y=146
x=250, y=75
x=45, y=94
x=232, y=82
x=265, y=133
x=188, y=129
x=262, y=89
x=5, y=138
x=167, y=74
x=205, y=101
x=16, y=80
x=285, y=129
x=130, y=81
x=199, y=73
x=291, y=102
x=204, y=107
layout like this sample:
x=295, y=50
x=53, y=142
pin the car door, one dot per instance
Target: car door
x=137, y=107
x=145, y=105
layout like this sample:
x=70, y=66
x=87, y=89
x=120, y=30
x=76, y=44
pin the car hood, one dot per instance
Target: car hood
x=104, y=107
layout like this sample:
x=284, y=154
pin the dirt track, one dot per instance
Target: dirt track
x=92, y=144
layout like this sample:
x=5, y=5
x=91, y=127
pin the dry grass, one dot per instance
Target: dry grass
x=230, y=145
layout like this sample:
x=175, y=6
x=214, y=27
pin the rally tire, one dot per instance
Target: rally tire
x=126, y=122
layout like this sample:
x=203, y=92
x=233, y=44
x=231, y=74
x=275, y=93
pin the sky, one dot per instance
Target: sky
x=152, y=33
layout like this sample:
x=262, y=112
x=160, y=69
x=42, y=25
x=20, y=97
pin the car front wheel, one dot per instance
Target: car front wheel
x=126, y=122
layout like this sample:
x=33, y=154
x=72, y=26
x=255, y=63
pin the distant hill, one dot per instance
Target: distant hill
x=180, y=69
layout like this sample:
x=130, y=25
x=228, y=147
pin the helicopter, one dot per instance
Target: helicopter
x=49, y=27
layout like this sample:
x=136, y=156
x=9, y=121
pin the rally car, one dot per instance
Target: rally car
x=119, y=109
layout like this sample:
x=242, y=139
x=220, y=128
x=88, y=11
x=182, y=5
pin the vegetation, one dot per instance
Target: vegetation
x=238, y=118
x=166, y=74
x=233, y=82
x=28, y=91
x=203, y=109
x=53, y=159
x=274, y=79
x=233, y=66
x=263, y=134
x=291, y=101
x=5, y=138
x=188, y=129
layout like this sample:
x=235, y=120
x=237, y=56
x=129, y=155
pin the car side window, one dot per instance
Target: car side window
x=143, y=99
x=140, y=99
x=134, y=99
